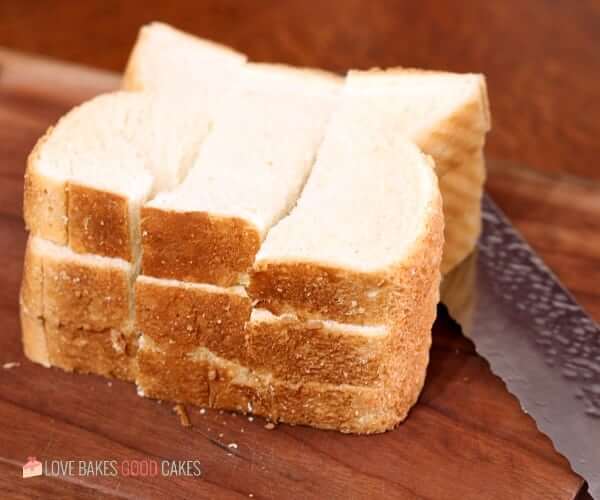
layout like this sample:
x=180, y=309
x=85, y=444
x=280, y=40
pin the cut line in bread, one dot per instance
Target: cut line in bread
x=248, y=174
x=88, y=176
x=363, y=244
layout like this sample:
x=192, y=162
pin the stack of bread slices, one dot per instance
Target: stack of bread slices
x=253, y=237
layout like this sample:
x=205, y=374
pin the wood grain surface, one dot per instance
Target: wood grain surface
x=467, y=438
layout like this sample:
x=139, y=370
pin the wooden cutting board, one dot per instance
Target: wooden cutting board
x=467, y=437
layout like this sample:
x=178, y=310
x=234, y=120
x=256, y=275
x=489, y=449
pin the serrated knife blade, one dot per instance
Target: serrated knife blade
x=535, y=337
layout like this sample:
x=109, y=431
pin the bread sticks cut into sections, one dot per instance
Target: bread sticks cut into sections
x=184, y=316
x=179, y=317
x=165, y=59
x=364, y=243
x=203, y=378
x=76, y=310
x=248, y=175
x=446, y=114
x=88, y=176
x=296, y=350
x=207, y=380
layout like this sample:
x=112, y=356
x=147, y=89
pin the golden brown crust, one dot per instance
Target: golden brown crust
x=172, y=377
x=214, y=381
x=34, y=338
x=197, y=246
x=462, y=190
x=224, y=385
x=289, y=394
x=303, y=351
x=44, y=200
x=86, y=296
x=308, y=351
x=86, y=219
x=404, y=379
x=110, y=353
x=316, y=291
x=80, y=308
x=184, y=318
x=99, y=222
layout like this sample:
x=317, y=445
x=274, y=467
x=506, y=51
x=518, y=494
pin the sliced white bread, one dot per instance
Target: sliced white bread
x=76, y=310
x=88, y=176
x=166, y=59
x=364, y=243
x=247, y=176
x=445, y=114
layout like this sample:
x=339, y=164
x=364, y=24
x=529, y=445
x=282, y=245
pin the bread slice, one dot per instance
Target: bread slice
x=446, y=114
x=294, y=393
x=76, y=310
x=247, y=176
x=363, y=244
x=183, y=316
x=296, y=350
x=206, y=380
x=88, y=176
x=165, y=59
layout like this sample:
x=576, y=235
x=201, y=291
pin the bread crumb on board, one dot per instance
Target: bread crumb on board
x=10, y=365
x=269, y=426
x=184, y=419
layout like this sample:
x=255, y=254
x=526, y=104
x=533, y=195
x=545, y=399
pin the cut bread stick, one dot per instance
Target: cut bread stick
x=247, y=176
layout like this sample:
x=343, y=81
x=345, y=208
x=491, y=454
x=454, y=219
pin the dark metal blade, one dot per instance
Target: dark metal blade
x=535, y=337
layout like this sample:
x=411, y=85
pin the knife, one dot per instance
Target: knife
x=535, y=337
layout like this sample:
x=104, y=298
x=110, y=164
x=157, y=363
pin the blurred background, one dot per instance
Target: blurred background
x=541, y=59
